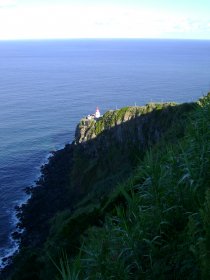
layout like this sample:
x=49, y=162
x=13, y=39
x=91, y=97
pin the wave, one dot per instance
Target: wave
x=9, y=251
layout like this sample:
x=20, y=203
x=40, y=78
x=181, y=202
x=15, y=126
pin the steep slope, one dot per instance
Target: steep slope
x=157, y=223
x=76, y=184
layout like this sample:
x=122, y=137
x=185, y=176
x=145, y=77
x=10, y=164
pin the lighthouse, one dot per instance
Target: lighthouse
x=97, y=113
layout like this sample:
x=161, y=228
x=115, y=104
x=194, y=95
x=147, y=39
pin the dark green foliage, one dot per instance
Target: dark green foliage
x=160, y=226
x=132, y=203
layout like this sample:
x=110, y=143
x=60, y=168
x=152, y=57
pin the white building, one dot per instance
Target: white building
x=97, y=113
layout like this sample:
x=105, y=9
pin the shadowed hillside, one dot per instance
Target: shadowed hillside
x=126, y=190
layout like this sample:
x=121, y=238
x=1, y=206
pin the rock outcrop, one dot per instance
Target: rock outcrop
x=104, y=153
x=139, y=126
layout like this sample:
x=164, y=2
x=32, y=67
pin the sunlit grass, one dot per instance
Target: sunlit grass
x=162, y=228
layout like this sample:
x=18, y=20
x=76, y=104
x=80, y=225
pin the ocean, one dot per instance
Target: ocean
x=47, y=86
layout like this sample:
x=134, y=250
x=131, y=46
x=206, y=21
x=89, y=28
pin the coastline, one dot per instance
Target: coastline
x=78, y=186
x=6, y=260
x=20, y=213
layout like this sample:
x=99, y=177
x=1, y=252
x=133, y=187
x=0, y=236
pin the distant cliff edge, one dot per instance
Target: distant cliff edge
x=89, y=180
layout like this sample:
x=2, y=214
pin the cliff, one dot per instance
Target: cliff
x=126, y=188
x=89, y=129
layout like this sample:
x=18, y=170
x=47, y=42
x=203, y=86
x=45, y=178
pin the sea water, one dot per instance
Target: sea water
x=47, y=86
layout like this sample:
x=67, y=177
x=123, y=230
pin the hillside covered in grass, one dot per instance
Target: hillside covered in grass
x=128, y=199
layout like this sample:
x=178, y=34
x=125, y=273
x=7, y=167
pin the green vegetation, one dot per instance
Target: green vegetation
x=159, y=227
x=131, y=203
x=113, y=118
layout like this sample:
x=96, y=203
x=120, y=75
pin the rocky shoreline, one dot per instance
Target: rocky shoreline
x=81, y=170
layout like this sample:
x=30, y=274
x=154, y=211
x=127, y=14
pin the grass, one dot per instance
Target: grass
x=154, y=225
x=160, y=227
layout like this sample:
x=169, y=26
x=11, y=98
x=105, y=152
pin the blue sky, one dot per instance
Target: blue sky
x=48, y=19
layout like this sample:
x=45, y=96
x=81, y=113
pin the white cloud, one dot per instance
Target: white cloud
x=7, y=3
x=80, y=21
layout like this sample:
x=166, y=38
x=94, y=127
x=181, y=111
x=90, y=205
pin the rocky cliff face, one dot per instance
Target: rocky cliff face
x=114, y=143
x=130, y=124
x=104, y=153
x=85, y=130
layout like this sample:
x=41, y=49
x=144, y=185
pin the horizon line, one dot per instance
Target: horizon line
x=102, y=38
